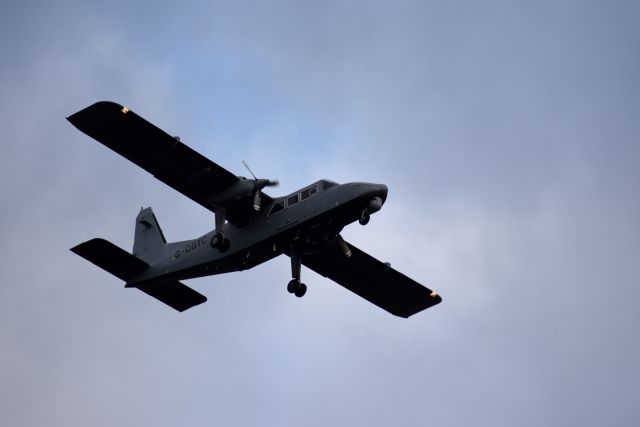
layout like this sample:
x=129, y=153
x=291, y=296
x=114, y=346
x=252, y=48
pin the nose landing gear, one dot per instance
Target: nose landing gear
x=375, y=204
x=365, y=216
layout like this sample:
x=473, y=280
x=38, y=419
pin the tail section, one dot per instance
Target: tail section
x=149, y=243
x=173, y=293
x=109, y=257
x=125, y=266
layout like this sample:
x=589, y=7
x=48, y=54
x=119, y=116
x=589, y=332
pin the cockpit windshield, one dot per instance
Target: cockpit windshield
x=325, y=184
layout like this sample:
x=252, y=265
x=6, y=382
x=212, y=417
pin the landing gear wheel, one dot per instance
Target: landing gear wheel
x=216, y=241
x=220, y=243
x=302, y=289
x=293, y=285
x=364, y=217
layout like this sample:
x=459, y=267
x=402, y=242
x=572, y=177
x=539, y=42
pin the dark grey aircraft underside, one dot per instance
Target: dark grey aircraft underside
x=250, y=226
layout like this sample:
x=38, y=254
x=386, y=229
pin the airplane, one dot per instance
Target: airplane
x=250, y=226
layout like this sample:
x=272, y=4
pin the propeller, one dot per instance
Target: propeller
x=258, y=185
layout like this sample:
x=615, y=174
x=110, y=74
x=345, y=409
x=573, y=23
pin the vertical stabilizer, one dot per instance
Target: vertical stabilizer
x=149, y=243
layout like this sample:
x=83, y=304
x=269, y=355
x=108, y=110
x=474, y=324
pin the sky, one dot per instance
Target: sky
x=507, y=133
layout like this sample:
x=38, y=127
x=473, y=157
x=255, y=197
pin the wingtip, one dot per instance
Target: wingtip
x=436, y=299
x=96, y=119
x=99, y=105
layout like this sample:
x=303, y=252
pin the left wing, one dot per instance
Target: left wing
x=157, y=152
x=373, y=280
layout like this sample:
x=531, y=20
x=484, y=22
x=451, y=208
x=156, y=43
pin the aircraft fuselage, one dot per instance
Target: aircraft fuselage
x=304, y=226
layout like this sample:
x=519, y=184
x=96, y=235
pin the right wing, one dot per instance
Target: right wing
x=157, y=152
x=373, y=280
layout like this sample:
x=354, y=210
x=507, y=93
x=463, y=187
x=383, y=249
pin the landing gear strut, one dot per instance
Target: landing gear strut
x=295, y=286
x=218, y=241
x=365, y=216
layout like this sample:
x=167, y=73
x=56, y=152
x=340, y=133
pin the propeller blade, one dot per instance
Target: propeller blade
x=249, y=169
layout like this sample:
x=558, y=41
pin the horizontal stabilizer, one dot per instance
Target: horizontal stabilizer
x=123, y=265
x=175, y=294
x=111, y=258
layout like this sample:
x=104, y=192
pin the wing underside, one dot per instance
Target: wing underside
x=157, y=152
x=373, y=280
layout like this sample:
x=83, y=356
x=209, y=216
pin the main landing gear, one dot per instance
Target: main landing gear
x=218, y=241
x=295, y=286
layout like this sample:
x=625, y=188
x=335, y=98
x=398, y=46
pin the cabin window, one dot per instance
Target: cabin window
x=277, y=207
x=292, y=200
x=305, y=194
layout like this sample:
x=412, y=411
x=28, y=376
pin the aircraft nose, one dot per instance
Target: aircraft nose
x=379, y=190
x=378, y=195
x=367, y=190
x=383, y=191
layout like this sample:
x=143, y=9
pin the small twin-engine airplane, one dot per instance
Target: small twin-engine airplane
x=250, y=226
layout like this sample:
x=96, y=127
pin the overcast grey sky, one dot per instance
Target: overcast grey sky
x=507, y=133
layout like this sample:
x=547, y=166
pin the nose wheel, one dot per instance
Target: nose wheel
x=295, y=286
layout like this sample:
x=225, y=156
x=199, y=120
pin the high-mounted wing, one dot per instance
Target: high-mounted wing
x=373, y=280
x=157, y=152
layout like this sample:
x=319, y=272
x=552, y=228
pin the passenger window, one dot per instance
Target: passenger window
x=308, y=192
x=292, y=200
x=277, y=207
